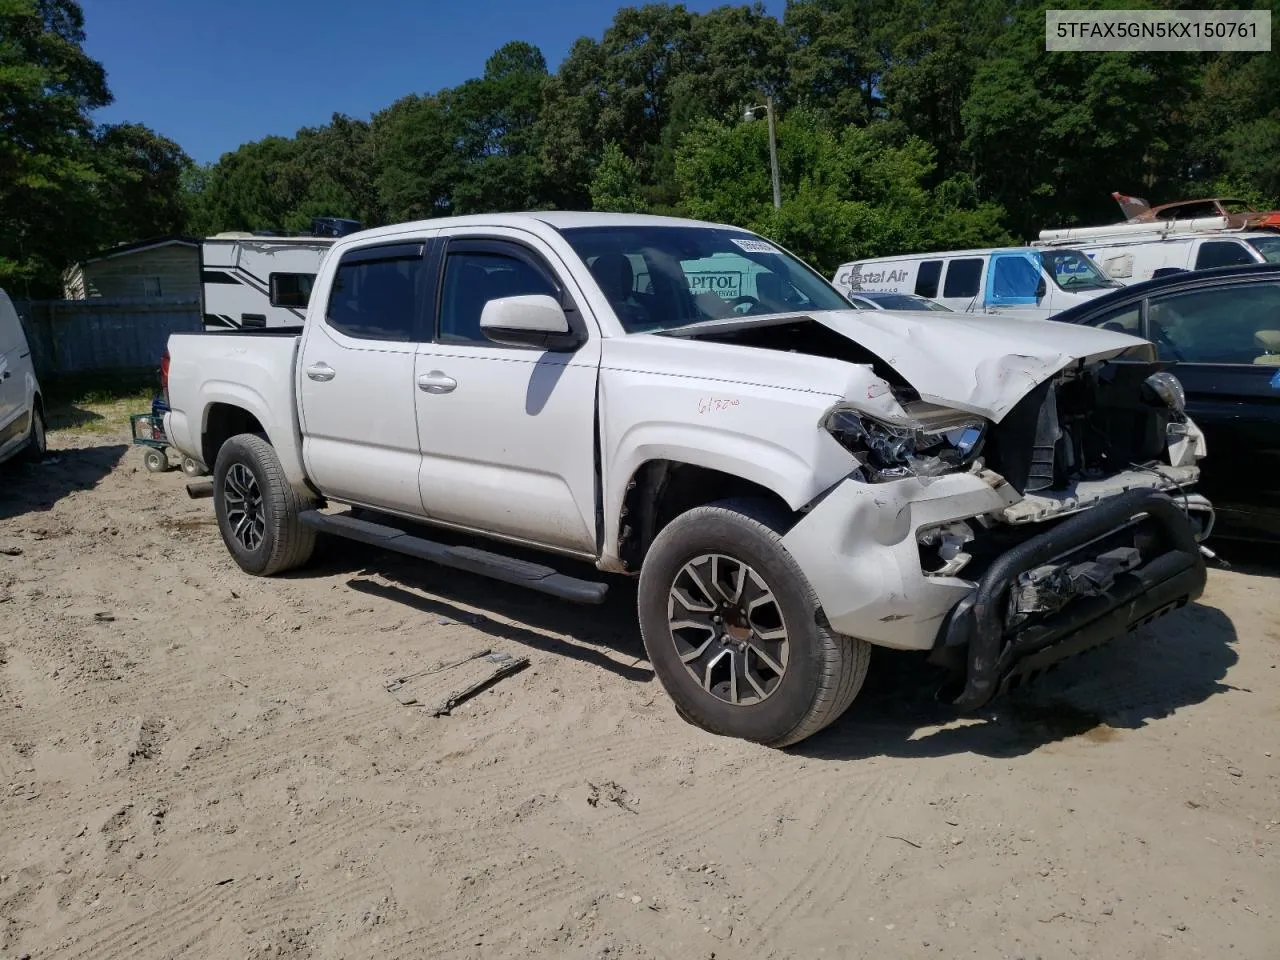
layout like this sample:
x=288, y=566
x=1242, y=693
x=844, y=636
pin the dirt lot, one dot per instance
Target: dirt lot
x=197, y=763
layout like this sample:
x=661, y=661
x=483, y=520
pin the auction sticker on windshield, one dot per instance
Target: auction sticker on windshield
x=753, y=246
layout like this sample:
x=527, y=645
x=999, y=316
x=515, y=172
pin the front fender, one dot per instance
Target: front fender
x=796, y=473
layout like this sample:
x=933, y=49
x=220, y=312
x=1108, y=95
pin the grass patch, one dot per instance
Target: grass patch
x=98, y=402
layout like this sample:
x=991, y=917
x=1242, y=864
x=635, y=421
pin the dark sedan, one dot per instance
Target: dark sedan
x=1221, y=330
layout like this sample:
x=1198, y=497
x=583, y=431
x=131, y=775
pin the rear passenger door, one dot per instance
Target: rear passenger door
x=356, y=393
x=508, y=433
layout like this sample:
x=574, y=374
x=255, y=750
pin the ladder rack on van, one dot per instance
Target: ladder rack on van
x=1136, y=231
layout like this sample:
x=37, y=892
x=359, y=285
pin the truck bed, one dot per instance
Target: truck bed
x=249, y=370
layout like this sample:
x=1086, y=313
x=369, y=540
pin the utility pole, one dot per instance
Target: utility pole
x=773, y=156
x=750, y=114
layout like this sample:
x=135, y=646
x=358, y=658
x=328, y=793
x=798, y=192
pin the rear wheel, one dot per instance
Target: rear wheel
x=257, y=509
x=734, y=630
x=37, y=443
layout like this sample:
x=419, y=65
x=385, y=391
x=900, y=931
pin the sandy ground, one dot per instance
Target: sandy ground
x=196, y=763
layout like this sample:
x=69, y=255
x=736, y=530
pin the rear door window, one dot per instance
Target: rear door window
x=964, y=277
x=377, y=293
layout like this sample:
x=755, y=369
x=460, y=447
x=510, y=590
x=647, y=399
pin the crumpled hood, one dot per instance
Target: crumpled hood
x=982, y=364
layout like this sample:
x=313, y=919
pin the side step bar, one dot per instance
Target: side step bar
x=522, y=573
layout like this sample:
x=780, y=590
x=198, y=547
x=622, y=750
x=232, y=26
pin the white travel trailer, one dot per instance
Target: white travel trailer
x=1134, y=252
x=250, y=281
x=1019, y=281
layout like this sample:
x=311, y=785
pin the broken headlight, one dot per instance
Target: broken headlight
x=930, y=441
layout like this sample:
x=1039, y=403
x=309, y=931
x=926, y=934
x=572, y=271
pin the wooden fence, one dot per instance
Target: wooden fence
x=77, y=336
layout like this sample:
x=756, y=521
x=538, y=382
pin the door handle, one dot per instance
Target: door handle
x=436, y=382
x=321, y=371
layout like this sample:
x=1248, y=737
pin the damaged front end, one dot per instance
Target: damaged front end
x=1103, y=539
x=1090, y=578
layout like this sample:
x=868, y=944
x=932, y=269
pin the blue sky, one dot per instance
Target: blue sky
x=214, y=75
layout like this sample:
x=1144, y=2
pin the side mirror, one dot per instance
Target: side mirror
x=533, y=320
x=1041, y=289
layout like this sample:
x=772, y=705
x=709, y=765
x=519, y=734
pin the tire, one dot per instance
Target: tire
x=191, y=468
x=38, y=443
x=250, y=494
x=155, y=460
x=822, y=670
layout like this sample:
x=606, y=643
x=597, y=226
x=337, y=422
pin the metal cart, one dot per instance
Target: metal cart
x=148, y=431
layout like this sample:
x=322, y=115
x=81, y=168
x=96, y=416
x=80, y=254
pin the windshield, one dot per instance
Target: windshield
x=1269, y=247
x=905, y=301
x=659, y=277
x=1072, y=270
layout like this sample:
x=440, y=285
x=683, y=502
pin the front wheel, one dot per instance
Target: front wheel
x=257, y=509
x=734, y=630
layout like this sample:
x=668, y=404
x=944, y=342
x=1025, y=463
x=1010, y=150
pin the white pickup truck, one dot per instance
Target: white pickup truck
x=793, y=481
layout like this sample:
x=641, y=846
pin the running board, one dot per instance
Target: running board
x=522, y=573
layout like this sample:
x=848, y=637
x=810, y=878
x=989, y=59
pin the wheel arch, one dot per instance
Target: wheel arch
x=661, y=489
x=230, y=409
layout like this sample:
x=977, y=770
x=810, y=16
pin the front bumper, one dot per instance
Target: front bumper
x=999, y=650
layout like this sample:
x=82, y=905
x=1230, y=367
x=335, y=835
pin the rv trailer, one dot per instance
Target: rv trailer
x=249, y=281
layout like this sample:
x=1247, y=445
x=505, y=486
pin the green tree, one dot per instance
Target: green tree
x=417, y=163
x=1049, y=136
x=258, y=186
x=616, y=184
x=48, y=85
x=140, y=184
x=496, y=116
x=845, y=196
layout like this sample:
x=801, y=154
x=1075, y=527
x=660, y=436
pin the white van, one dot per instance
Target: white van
x=1132, y=253
x=1020, y=280
x=21, y=408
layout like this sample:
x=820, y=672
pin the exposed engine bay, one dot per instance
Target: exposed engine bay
x=1092, y=421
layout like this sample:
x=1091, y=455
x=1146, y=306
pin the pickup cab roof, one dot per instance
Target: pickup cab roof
x=556, y=219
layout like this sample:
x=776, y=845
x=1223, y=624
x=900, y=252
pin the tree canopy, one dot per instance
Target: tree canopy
x=68, y=186
x=902, y=125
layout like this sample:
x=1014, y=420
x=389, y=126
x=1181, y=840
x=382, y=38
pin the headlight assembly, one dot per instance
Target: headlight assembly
x=931, y=440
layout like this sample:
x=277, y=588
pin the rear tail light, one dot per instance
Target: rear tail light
x=164, y=376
